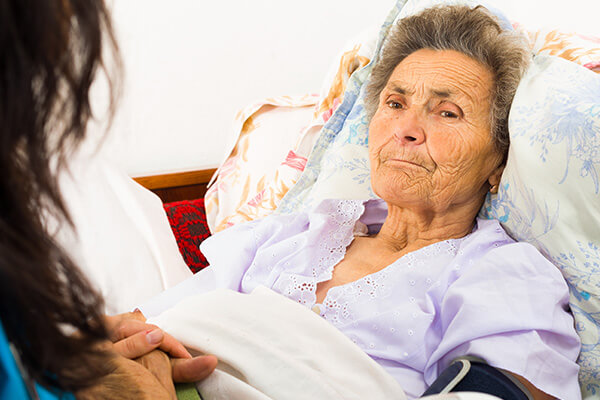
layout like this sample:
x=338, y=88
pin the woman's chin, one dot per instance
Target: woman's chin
x=405, y=198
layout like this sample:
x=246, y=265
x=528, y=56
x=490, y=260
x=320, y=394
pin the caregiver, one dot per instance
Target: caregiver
x=54, y=341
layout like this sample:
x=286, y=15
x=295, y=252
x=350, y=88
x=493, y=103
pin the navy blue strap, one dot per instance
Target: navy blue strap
x=465, y=375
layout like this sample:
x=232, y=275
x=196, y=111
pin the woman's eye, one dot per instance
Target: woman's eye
x=448, y=114
x=394, y=104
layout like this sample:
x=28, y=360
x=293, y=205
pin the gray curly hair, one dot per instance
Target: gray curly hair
x=474, y=32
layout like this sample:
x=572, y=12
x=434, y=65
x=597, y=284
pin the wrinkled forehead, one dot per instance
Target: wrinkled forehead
x=441, y=73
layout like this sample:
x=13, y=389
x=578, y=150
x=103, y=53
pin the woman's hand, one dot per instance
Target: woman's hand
x=146, y=362
x=133, y=338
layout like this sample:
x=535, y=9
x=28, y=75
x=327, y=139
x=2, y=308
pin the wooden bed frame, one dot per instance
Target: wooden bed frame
x=178, y=186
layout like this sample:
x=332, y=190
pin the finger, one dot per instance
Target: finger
x=137, y=314
x=133, y=315
x=193, y=369
x=157, y=362
x=124, y=325
x=129, y=328
x=140, y=343
x=173, y=347
x=111, y=321
x=169, y=344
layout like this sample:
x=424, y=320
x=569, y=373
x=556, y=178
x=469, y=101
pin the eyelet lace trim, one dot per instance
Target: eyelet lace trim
x=332, y=248
x=334, y=242
x=343, y=302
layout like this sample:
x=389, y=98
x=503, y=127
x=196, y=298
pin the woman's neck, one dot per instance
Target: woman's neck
x=407, y=230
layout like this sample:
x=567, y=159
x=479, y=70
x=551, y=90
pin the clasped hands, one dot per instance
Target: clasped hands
x=147, y=361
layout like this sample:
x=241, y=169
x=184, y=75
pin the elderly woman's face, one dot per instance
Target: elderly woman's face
x=429, y=141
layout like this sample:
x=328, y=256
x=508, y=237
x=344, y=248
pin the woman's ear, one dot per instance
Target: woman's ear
x=494, y=179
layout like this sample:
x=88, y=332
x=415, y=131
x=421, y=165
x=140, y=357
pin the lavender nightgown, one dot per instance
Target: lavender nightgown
x=482, y=295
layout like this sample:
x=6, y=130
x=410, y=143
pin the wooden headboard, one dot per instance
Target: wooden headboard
x=178, y=186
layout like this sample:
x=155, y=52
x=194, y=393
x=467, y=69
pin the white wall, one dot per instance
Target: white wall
x=191, y=64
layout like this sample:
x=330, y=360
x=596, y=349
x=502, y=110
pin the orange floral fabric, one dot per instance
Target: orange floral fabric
x=242, y=192
x=581, y=49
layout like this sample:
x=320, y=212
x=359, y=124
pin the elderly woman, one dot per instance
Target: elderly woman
x=416, y=280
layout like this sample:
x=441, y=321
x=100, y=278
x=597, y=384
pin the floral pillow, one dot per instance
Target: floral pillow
x=550, y=189
x=338, y=165
x=584, y=50
x=254, y=178
x=266, y=160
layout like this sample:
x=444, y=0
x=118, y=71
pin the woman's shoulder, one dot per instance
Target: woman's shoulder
x=489, y=237
x=490, y=230
x=490, y=249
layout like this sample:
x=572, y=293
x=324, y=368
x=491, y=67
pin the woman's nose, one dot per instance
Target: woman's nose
x=409, y=130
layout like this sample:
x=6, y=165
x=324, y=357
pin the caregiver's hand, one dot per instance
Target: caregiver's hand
x=133, y=338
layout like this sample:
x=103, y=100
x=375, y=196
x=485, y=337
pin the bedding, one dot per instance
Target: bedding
x=188, y=223
x=122, y=240
x=251, y=180
x=251, y=183
x=255, y=364
x=272, y=348
x=550, y=190
x=410, y=316
x=581, y=49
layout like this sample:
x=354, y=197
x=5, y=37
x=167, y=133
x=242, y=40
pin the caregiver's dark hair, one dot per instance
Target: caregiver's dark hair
x=50, y=52
x=474, y=32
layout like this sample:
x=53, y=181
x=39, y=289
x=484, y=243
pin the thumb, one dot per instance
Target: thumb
x=193, y=369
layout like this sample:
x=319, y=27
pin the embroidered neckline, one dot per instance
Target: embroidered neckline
x=339, y=301
x=332, y=247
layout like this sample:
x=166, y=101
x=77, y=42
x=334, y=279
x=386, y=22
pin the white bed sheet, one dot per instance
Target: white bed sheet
x=123, y=241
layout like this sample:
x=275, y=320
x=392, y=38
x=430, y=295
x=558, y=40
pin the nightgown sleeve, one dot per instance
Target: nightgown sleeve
x=511, y=309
